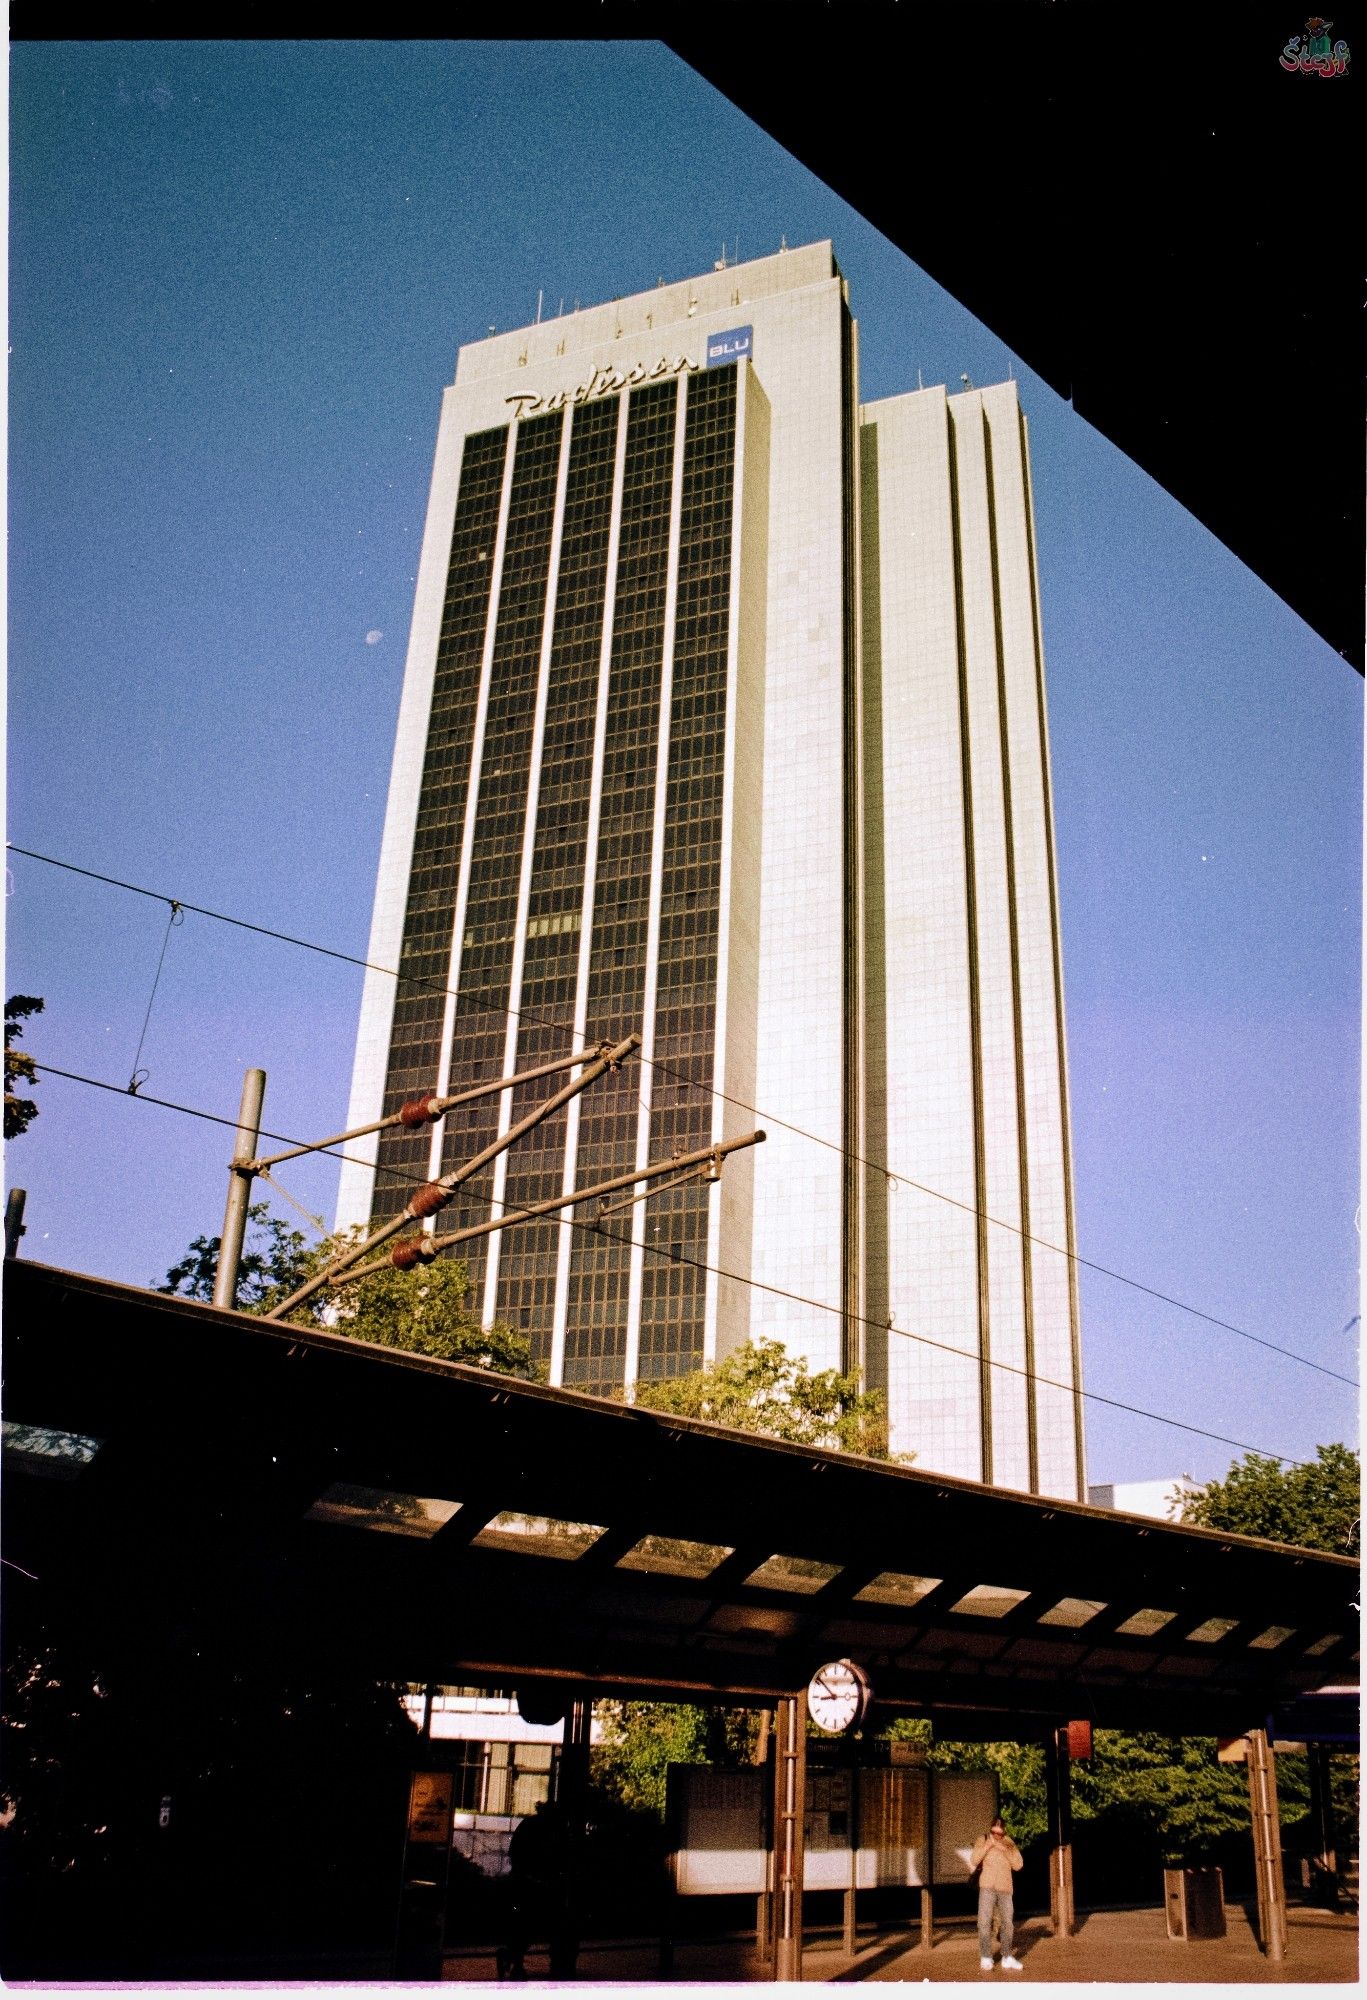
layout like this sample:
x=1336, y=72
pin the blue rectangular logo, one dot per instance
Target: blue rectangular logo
x=731, y=346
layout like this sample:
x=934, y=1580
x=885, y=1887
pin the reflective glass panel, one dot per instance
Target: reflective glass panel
x=989, y=1600
x=1144, y=1624
x=61, y=1454
x=892, y=1586
x=667, y=1556
x=1212, y=1629
x=537, y=1535
x=388, y=1513
x=1275, y=1635
x=792, y=1573
x=1073, y=1611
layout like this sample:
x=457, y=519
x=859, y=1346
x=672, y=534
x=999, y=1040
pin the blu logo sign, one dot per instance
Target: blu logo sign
x=731, y=346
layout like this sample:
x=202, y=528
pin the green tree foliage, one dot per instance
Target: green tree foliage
x=641, y=1739
x=423, y=1311
x=1176, y=1792
x=1313, y=1506
x=271, y=1264
x=761, y=1387
x=20, y=1112
x=1019, y=1770
x=1149, y=1796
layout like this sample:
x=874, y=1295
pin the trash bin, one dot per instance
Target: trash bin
x=1195, y=1902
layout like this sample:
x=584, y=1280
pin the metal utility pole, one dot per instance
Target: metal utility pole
x=790, y=1808
x=1059, y=1791
x=239, y=1188
x=14, y=1220
x=1267, y=1846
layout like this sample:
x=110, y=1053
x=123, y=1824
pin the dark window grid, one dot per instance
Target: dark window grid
x=553, y=1002
x=431, y=887
x=684, y=1361
x=561, y=787
x=536, y=1285
x=521, y=1279
x=552, y=987
x=646, y=475
x=687, y=911
x=596, y=1375
x=430, y=948
x=607, y=1140
x=570, y=723
x=620, y=916
x=707, y=545
x=684, y=977
x=534, y=1174
x=558, y=866
x=696, y=928
x=567, y=766
x=672, y=1300
x=430, y=939
x=688, y=1054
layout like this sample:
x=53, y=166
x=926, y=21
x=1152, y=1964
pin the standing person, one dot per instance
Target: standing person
x=539, y=1894
x=998, y=1856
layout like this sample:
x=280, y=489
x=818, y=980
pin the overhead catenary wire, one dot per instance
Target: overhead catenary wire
x=759, y=1285
x=439, y=990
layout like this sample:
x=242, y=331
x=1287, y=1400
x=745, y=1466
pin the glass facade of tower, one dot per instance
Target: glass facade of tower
x=570, y=811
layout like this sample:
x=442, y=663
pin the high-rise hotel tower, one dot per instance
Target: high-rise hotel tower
x=723, y=722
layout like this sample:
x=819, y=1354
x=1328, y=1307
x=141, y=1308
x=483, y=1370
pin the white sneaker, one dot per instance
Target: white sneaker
x=1012, y=1965
x=985, y=1964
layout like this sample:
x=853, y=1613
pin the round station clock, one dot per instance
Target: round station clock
x=838, y=1696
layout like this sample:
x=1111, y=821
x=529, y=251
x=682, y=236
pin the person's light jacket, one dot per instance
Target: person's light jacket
x=999, y=1860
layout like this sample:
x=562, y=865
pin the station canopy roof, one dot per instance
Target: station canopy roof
x=309, y=1496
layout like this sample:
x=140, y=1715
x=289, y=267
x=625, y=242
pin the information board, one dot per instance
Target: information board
x=965, y=1805
x=719, y=1822
x=905, y=1816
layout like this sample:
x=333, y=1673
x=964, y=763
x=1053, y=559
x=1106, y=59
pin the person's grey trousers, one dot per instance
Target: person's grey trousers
x=1002, y=1902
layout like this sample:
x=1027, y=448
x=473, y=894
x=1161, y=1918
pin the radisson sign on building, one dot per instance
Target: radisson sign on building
x=723, y=722
x=602, y=382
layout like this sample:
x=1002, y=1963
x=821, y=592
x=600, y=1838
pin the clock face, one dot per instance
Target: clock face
x=837, y=1696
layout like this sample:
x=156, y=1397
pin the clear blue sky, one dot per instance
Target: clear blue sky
x=240, y=273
